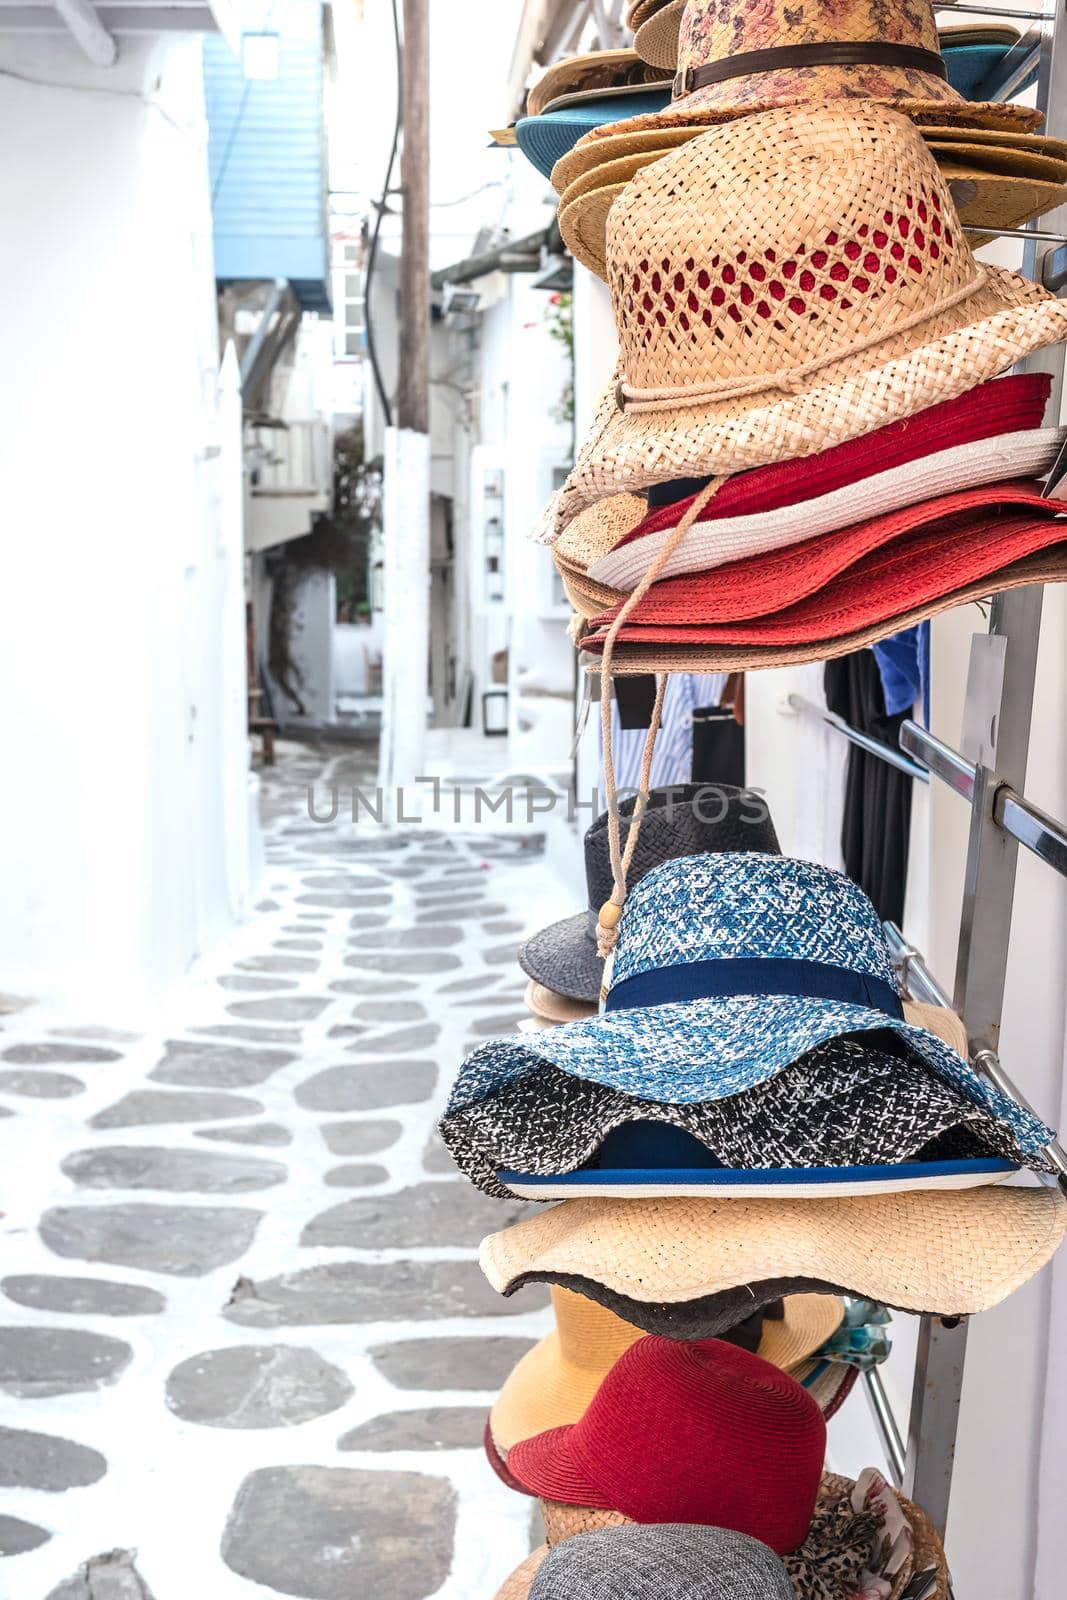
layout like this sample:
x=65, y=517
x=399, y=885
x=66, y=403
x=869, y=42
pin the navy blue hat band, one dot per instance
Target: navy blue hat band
x=752, y=975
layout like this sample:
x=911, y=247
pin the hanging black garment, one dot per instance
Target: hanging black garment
x=877, y=818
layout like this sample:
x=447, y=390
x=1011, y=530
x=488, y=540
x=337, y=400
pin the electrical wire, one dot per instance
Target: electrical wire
x=372, y=253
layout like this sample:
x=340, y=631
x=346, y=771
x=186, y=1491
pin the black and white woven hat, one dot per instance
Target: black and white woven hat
x=677, y=1561
x=682, y=820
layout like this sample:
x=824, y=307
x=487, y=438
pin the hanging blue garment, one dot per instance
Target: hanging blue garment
x=904, y=667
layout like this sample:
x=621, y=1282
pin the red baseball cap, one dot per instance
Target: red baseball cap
x=905, y=573
x=700, y=1431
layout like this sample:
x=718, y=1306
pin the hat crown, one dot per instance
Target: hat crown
x=680, y=821
x=726, y=907
x=706, y=1432
x=590, y=1336
x=778, y=242
x=714, y=29
x=687, y=1562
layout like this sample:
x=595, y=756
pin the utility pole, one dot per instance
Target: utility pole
x=406, y=488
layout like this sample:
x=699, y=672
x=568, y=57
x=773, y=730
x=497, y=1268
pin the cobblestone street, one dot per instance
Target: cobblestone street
x=243, y=1335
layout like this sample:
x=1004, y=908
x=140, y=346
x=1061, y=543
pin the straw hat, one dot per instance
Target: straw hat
x=732, y=58
x=739, y=343
x=992, y=189
x=701, y=1432
x=876, y=598
x=1049, y=567
x=601, y=527
x=517, y=1586
x=555, y=1381
x=864, y=573
x=728, y=540
x=942, y=1252
x=553, y=1007
x=682, y=820
x=652, y=1563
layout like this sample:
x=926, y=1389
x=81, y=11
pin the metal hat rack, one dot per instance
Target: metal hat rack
x=999, y=701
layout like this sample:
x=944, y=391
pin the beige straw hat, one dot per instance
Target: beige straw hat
x=554, y=1382
x=1048, y=566
x=553, y=1007
x=517, y=1586
x=940, y=1251
x=749, y=336
x=733, y=57
x=991, y=190
x=585, y=77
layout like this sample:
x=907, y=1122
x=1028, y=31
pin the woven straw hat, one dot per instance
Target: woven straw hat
x=893, y=492
x=582, y=77
x=678, y=651
x=865, y=573
x=732, y=57
x=992, y=189
x=746, y=338
x=553, y=1007
x=947, y=1253
x=599, y=529
x=517, y=1586
x=555, y=1381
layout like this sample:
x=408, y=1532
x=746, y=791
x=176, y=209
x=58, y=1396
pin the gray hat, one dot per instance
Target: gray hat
x=677, y=1561
x=680, y=820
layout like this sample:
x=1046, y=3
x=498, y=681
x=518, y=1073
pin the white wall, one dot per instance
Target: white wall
x=124, y=754
x=353, y=642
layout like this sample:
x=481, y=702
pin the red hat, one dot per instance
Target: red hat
x=701, y=1431
x=1005, y=405
x=840, y=583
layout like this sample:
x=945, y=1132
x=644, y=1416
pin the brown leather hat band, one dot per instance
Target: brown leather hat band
x=825, y=53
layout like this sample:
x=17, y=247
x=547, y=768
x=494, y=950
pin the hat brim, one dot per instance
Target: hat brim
x=955, y=351
x=547, y=1465
x=716, y=542
x=939, y=1252
x=869, y=570
x=518, y=1585
x=1049, y=567
x=548, y=1006
x=790, y=1183
x=685, y=1052
x=564, y=958
x=546, y=139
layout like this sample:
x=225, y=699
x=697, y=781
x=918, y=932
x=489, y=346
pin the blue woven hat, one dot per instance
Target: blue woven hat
x=728, y=968
x=544, y=140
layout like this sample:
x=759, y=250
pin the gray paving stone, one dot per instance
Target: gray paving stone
x=279, y=964
x=6, y=1112
x=408, y=939
x=389, y=1011
x=182, y=1241
x=290, y=1008
x=435, y=1158
x=355, y=1175
x=217, y=1066
x=112, y=1576
x=95, y=1030
x=432, y=1428
x=347, y=1030
x=346, y=901
x=129, y=1166
x=417, y=963
x=40, y=1085
x=256, y=1386
x=239, y=984
x=10, y=1004
x=156, y=1107
x=420, y=1036
x=302, y=928
x=36, y=1362
x=55, y=1053
x=351, y=1292
x=16, y=1536
x=332, y=1533
x=95, y=1297
x=499, y=1022
x=367, y=919
x=500, y=955
x=298, y=944
x=471, y=912
x=454, y=1214
x=261, y=1133
x=267, y=905
x=369, y=986
x=235, y=1030
x=360, y=1138
x=482, y=980
x=449, y=1363
x=45, y=1461
x=504, y=927
x=368, y=1086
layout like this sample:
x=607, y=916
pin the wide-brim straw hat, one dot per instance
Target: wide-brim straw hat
x=593, y=73
x=765, y=643
x=553, y=1007
x=731, y=57
x=928, y=480
x=992, y=190
x=563, y=1522
x=862, y=573
x=554, y=1382
x=940, y=1252
x=747, y=338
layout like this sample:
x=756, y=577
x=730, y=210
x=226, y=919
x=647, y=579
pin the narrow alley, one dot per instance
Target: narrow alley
x=244, y=1337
